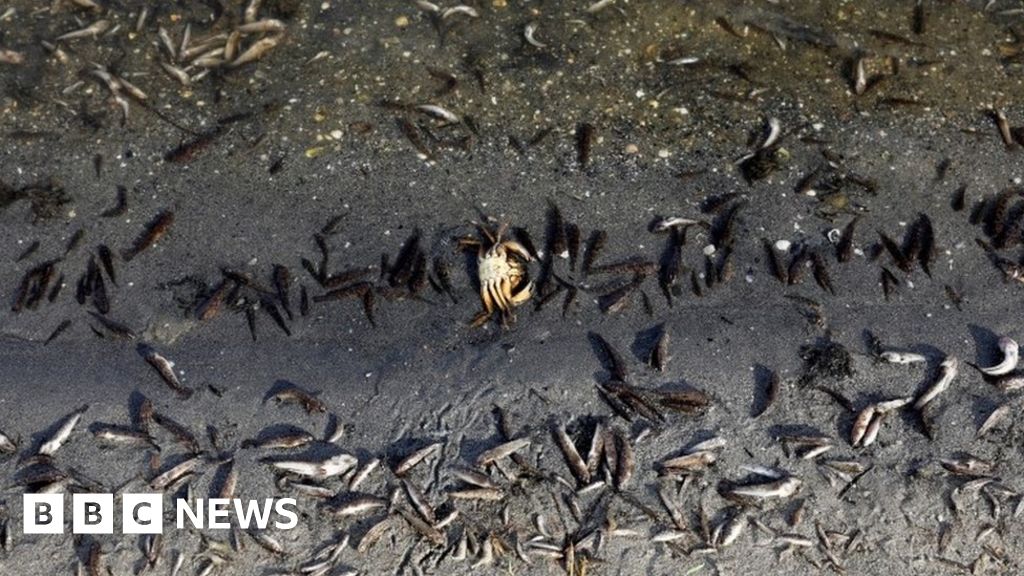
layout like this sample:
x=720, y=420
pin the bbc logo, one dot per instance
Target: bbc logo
x=93, y=514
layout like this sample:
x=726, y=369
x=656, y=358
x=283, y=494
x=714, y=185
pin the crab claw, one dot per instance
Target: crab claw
x=523, y=295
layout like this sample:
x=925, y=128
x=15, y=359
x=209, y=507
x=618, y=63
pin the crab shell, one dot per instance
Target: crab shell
x=501, y=273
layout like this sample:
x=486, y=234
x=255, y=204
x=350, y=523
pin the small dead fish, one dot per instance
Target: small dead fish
x=334, y=466
x=595, y=244
x=155, y=230
x=821, y=274
x=947, y=372
x=283, y=441
x=176, y=472
x=894, y=357
x=63, y=432
x=584, y=141
x=771, y=393
x=501, y=451
x=572, y=457
x=901, y=260
x=1011, y=355
x=783, y=488
x=844, y=248
x=659, y=354
x=181, y=434
x=860, y=424
x=165, y=368
x=993, y=420
x=967, y=466
x=889, y=282
x=959, y=200
x=693, y=461
x=730, y=530
x=93, y=30
x=1003, y=125
x=360, y=506
x=294, y=395
x=120, y=435
x=257, y=50
x=438, y=112
x=7, y=446
x=488, y=494
x=412, y=460
x=625, y=464
x=57, y=331
x=528, y=32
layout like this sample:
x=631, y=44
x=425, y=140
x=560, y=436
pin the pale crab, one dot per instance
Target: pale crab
x=501, y=271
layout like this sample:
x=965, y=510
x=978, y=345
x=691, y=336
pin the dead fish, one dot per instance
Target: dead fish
x=7, y=446
x=889, y=282
x=1011, y=354
x=333, y=466
x=595, y=244
x=1003, y=125
x=572, y=457
x=165, y=368
x=615, y=364
x=93, y=30
x=63, y=432
x=181, y=434
x=120, y=435
x=155, y=230
x=584, y=140
x=419, y=501
x=783, y=488
x=294, y=395
x=625, y=461
x=901, y=260
x=176, y=472
x=474, y=478
x=730, y=530
x=501, y=451
x=959, y=200
x=771, y=393
x=57, y=331
x=993, y=420
x=359, y=506
x=821, y=274
x=691, y=462
x=668, y=223
x=894, y=357
x=488, y=494
x=283, y=441
x=659, y=354
x=257, y=50
x=860, y=424
x=967, y=466
x=947, y=372
x=844, y=248
x=410, y=461
x=925, y=241
x=107, y=259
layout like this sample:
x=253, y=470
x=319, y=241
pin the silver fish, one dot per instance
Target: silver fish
x=63, y=433
x=783, y=488
x=502, y=451
x=333, y=466
x=947, y=372
x=169, y=477
x=894, y=357
x=1011, y=355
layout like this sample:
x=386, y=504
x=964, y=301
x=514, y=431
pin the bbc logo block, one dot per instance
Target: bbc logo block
x=144, y=513
x=93, y=514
